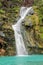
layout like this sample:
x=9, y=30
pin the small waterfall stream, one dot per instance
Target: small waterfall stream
x=20, y=47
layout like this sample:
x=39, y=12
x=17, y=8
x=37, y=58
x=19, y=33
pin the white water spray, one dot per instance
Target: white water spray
x=20, y=47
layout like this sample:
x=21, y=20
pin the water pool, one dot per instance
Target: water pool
x=22, y=60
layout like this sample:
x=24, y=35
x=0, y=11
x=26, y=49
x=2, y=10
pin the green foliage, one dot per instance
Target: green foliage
x=41, y=29
x=41, y=36
x=0, y=4
x=2, y=11
x=9, y=12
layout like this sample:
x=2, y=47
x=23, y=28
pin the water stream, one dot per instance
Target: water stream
x=20, y=47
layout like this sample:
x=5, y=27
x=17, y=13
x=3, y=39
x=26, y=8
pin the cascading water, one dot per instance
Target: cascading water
x=20, y=47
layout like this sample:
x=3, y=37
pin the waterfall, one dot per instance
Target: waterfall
x=20, y=47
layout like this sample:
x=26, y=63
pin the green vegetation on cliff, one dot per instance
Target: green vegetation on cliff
x=9, y=14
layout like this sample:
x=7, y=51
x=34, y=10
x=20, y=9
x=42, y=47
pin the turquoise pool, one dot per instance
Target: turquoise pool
x=22, y=60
